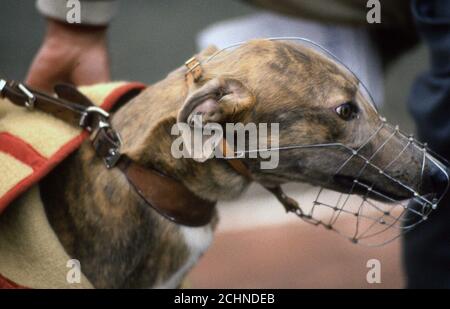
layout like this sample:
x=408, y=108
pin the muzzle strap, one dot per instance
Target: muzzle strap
x=290, y=205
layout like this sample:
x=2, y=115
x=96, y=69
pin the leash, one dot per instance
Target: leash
x=166, y=195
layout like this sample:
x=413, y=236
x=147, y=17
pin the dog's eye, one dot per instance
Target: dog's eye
x=347, y=111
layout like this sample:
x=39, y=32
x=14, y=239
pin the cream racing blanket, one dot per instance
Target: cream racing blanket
x=32, y=143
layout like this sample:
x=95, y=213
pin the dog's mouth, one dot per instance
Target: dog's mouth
x=348, y=184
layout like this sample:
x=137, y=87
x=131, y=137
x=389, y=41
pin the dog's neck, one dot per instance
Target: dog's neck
x=102, y=222
x=145, y=124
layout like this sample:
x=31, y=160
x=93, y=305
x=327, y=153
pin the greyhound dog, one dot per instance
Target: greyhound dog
x=120, y=242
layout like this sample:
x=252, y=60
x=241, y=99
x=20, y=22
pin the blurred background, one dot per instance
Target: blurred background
x=257, y=244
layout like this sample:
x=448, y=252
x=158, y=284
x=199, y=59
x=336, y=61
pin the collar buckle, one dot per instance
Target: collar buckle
x=31, y=98
x=194, y=71
x=85, y=119
x=2, y=86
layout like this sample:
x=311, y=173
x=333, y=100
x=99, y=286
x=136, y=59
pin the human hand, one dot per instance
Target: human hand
x=70, y=53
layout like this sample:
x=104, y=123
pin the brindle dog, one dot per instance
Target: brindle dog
x=121, y=242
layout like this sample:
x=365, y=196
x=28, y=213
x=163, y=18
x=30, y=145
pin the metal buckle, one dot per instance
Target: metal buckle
x=31, y=99
x=2, y=85
x=87, y=113
x=114, y=154
x=112, y=158
x=113, y=140
x=194, y=68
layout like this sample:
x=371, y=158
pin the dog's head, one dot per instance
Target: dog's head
x=316, y=102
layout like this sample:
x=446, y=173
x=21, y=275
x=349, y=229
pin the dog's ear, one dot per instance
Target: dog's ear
x=218, y=100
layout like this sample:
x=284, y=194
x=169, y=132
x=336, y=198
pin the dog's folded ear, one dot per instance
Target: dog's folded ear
x=219, y=100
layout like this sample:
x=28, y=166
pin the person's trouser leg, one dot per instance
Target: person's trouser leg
x=426, y=249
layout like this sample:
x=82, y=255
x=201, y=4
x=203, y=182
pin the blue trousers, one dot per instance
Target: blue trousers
x=426, y=249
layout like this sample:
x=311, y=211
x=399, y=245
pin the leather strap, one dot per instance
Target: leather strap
x=166, y=195
x=290, y=205
x=235, y=163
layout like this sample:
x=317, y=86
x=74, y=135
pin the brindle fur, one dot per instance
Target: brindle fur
x=119, y=240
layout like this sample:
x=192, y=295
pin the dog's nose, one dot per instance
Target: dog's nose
x=438, y=180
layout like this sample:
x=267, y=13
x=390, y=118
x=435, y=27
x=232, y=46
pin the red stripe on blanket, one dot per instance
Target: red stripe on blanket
x=21, y=150
x=8, y=284
x=38, y=174
x=119, y=92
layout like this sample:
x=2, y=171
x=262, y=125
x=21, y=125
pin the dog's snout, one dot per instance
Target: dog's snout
x=438, y=180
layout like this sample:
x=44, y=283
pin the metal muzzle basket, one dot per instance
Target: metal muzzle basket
x=364, y=213
x=371, y=193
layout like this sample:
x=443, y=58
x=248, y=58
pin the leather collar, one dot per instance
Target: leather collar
x=168, y=197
